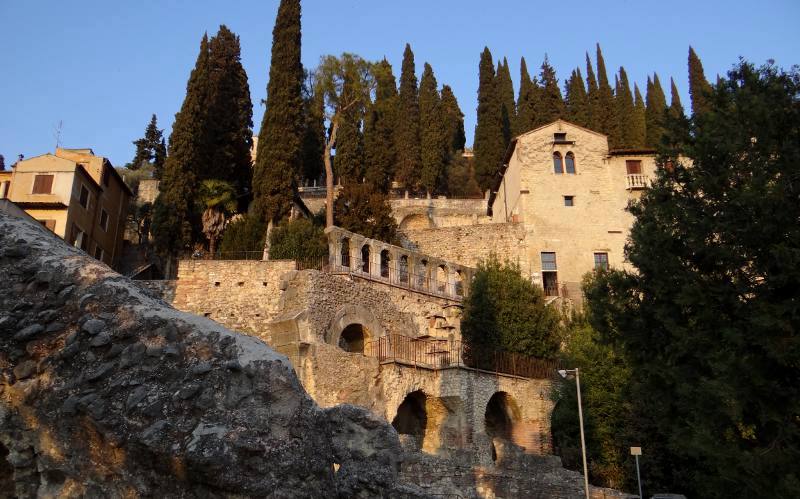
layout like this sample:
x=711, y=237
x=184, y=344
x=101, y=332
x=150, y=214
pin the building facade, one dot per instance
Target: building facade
x=75, y=194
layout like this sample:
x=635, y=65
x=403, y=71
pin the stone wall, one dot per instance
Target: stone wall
x=412, y=214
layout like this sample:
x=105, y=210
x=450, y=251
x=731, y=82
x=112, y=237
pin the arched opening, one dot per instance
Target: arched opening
x=352, y=339
x=459, y=283
x=411, y=418
x=422, y=274
x=558, y=165
x=402, y=269
x=570, y=163
x=345, y=252
x=441, y=279
x=385, y=260
x=365, y=254
x=501, y=414
x=416, y=222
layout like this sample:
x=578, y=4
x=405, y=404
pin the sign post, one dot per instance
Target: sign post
x=636, y=452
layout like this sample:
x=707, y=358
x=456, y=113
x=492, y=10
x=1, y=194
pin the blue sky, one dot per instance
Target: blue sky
x=104, y=67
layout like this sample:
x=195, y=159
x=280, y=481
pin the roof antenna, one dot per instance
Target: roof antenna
x=57, y=132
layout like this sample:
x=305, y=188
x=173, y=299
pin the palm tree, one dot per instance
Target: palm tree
x=217, y=199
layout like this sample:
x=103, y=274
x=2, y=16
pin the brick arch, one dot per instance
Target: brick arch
x=350, y=315
x=416, y=221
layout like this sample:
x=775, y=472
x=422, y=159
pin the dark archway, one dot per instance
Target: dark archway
x=412, y=418
x=345, y=252
x=352, y=339
x=501, y=413
x=365, y=257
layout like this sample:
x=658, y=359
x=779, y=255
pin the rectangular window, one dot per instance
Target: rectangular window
x=548, y=261
x=569, y=200
x=79, y=238
x=49, y=224
x=42, y=184
x=601, y=261
x=98, y=252
x=84, y=198
x=104, y=220
x=560, y=136
x=633, y=166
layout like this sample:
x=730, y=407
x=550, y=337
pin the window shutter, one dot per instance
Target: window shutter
x=42, y=184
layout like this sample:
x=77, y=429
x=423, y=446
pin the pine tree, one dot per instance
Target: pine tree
x=576, y=100
x=675, y=106
x=349, y=160
x=699, y=88
x=592, y=97
x=654, y=115
x=453, y=122
x=230, y=123
x=432, y=132
x=551, y=103
x=175, y=225
x=489, y=140
x=150, y=149
x=407, y=140
x=606, y=110
x=638, y=120
x=379, y=129
x=313, y=132
x=505, y=92
x=624, y=111
x=526, y=103
x=280, y=140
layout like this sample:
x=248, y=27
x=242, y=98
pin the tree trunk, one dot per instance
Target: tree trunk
x=329, y=174
x=265, y=254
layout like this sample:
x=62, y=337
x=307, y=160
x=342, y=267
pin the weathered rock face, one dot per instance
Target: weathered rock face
x=106, y=391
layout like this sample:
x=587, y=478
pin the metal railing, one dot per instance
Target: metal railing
x=637, y=181
x=440, y=354
x=426, y=279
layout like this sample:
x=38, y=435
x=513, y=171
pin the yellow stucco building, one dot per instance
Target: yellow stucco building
x=77, y=195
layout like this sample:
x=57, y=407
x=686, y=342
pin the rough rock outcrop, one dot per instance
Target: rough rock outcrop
x=106, y=391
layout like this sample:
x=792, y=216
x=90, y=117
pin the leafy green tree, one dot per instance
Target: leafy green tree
x=453, y=122
x=361, y=209
x=506, y=312
x=527, y=102
x=217, y=200
x=349, y=160
x=655, y=112
x=431, y=132
x=709, y=322
x=606, y=111
x=314, y=132
x=699, y=88
x=505, y=92
x=624, y=111
x=298, y=239
x=379, y=129
x=461, y=181
x=551, y=103
x=407, y=142
x=150, y=149
x=489, y=141
x=577, y=102
x=592, y=97
x=280, y=140
x=244, y=237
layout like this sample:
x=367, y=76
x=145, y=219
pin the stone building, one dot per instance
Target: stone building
x=75, y=194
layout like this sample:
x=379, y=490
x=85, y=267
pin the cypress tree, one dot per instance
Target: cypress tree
x=576, y=99
x=526, y=103
x=606, y=117
x=174, y=222
x=675, y=106
x=489, y=140
x=280, y=139
x=453, y=122
x=431, y=132
x=407, y=141
x=230, y=123
x=699, y=88
x=505, y=92
x=379, y=129
x=349, y=159
x=592, y=97
x=638, y=120
x=624, y=107
x=654, y=114
x=314, y=133
x=551, y=103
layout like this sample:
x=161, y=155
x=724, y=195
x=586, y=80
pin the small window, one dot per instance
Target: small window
x=601, y=261
x=560, y=137
x=84, y=198
x=570, y=163
x=42, y=184
x=633, y=166
x=98, y=252
x=558, y=166
x=548, y=261
x=79, y=238
x=569, y=200
x=104, y=220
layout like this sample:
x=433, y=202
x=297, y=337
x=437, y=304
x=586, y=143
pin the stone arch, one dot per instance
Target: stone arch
x=416, y=221
x=442, y=276
x=348, y=315
x=458, y=283
x=386, y=261
x=345, y=253
x=500, y=418
x=431, y=424
x=402, y=269
x=366, y=255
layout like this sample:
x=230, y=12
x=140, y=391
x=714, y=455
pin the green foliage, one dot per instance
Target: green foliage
x=655, y=112
x=605, y=111
x=675, y=107
x=349, y=160
x=150, y=149
x=363, y=210
x=461, y=181
x=699, y=88
x=409, y=158
x=298, y=239
x=638, y=120
x=577, y=102
x=625, y=112
x=314, y=132
x=244, y=235
x=592, y=97
x=280, y=140
x=505, y=92
x=527, y=103
x=431, y=133
x=551, y=104
x=379, y=129
x=506, y=312
x=453, y=121
x=489, y=143
x=709, y=322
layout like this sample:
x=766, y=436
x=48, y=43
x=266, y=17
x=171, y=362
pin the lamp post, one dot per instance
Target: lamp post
x=636, y=452
x=564, y=373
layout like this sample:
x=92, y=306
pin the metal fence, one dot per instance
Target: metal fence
x=440, y=353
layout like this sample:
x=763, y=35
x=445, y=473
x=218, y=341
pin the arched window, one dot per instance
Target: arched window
x=403, y=269
x=422, y=274
x=459, y=284
x=385, y=259
x=345, y=253
x=570, y=160
x=558, y=165
x=365, y=258
x=441, y=279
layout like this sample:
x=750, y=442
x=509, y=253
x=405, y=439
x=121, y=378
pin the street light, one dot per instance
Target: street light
x=564, y=373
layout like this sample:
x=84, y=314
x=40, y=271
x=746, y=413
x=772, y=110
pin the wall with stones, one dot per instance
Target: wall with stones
x=423, y=213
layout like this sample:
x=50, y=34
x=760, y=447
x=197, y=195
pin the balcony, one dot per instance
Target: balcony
x=637, y=181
